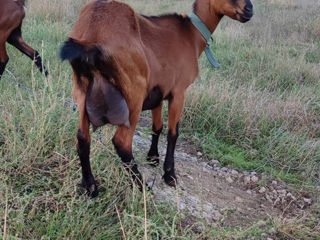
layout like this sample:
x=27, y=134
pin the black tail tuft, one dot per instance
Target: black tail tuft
x=20, y=2
x=71, y=50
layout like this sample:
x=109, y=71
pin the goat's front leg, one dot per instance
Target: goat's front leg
x=83, y=149
x=157, y=125
x=122, y=141
x=175, y=109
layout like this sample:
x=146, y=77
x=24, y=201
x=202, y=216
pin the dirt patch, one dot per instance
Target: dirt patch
x=207, y=191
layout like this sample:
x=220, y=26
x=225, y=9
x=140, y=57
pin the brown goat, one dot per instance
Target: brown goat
x=11, y=16
x=125, y=63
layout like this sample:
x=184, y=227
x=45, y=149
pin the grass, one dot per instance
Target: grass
x=261, y=109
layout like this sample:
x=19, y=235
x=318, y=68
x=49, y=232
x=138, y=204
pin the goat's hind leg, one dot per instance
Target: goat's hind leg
x=16, y=40
x=3, y=57
x=122, y=142
x=157, y=126
x=83, y=149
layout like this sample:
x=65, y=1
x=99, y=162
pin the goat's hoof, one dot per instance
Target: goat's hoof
x=170, y=179
x=153, y=161
x=90, y=188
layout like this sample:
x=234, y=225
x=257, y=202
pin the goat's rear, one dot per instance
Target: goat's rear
x=104, y=102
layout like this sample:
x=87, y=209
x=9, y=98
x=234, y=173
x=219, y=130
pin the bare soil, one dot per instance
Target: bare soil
x=207, y=191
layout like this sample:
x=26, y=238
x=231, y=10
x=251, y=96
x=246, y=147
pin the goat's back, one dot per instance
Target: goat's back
x=104, y=22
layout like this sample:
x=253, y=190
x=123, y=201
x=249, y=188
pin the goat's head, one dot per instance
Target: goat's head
x=241, y=10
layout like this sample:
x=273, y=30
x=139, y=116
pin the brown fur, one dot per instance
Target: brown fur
x=147, y=53
x=11, y=17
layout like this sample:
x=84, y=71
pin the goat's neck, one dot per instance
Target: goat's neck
x=209, y=17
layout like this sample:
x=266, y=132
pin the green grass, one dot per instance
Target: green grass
x=261, y=109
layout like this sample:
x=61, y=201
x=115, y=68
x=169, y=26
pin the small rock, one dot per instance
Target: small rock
x=229, y=179
x=190, y=177
x=307, y=200
x=274, y=182
x=199, y=154
x=224, y=169
x=269, y=238
x=272, y=231
x=215, y=162
x=253, y=173
x=193, y=159
x=282, y=192
x=254, y=179
x=182, y=205
x=262, y=190
x=249, y=191
x=291, y=196
x=234, y=172
x=217, y=168
x=261, y=223
x=216, y=215
x=276, y=201
x=246, y=180
x=203, y=164
x=239, y=199
x=268, y=197
x=205, y=169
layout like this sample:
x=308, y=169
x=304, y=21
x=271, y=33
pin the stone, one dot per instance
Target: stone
x=262, y=190
x=253, y=173
x=274, y=182
x=239, y=199
x=268, y=197
x=199, y=154
x=282, y=193
x=193, y=159
x=254, y=179
x=229, y=179
x=215, y=162
x=182, y=205
x=203, y=164
x=261, y=223
x=224, y=169
x=216, y=215
x=307, y=200
x=291, y=196
x=234, y=172
x=249, y=191
x=246, y=180
x=276, y=201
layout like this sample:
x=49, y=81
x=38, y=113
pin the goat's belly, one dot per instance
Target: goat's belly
x=153, y=99
x=105, y=104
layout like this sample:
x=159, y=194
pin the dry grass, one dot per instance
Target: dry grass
x=262, y=105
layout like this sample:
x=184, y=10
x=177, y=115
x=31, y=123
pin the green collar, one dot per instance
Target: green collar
x=206, y=34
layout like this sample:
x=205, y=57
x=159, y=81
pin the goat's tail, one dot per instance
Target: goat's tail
x=72, y=50
x=20, y=2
